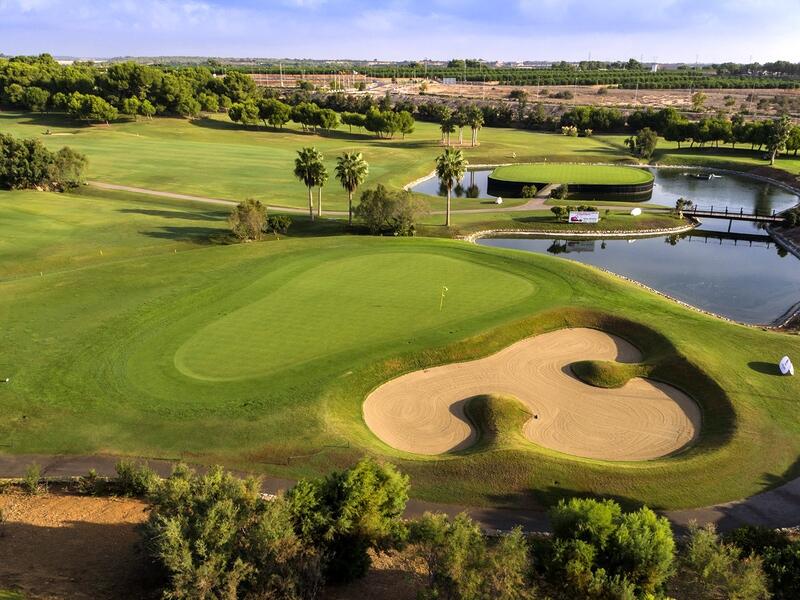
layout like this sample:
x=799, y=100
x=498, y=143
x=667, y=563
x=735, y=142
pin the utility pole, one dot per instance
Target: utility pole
x=280, y=65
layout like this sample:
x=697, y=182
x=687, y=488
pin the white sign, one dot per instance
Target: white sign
x=584, y=216
x=786, y=366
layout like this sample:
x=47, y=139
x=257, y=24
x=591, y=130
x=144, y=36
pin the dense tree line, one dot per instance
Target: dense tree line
x=28, y=164
x=217, y=536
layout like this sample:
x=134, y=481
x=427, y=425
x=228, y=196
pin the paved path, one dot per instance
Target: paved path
x=779, y=507
x=537, y=203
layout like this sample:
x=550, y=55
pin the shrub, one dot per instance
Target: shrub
x=26, y=164
x=780, y=556
x=396, y=212
x=463, y=565
x=560, y=212
x=643, y=144
x=559, y=192
x=135, y=479
x=247, y=220
x=717, y=569
x=569, y=130
x=349, y=513
x=216, y=537
x=792, y=217
x=278, y=224
x=529, y=191
x=598, y=551
x=90, y=484
x=30, y=483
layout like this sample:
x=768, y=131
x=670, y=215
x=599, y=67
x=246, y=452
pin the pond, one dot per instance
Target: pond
x=741, y=275
x=733, y=191
x=731, y=268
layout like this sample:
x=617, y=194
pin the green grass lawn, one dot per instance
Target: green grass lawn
x=572, y=174
x=171, y=343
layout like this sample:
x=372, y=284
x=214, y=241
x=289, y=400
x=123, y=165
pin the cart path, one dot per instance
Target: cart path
x=779, y=507
x=537, y=203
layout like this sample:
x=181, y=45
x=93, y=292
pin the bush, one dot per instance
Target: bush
x=561, y=212
x=395, y=212
x=597, y=551
x=135, y=479
x=278, y=224
x=91, y=484
x=529, y=191
x=214, y=536
x=247, y=220
x=780, y=556
x=349, y=513
x=27, y=164
x=30, y=483
x=569, y=130
x=560, y=192
x=717, y=569
x=792, y=218
x=463, y=565
x=643, y=144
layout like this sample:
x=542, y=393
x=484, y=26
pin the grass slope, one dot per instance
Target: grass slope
x=572, y=174
x=260, y=355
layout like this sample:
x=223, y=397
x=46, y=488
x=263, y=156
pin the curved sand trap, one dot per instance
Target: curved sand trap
x=423, y=412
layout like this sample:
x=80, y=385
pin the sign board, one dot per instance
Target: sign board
x=584, y=216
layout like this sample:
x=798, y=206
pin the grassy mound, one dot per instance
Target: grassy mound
x=572, y=174
x=608, y=373
x=498, y=421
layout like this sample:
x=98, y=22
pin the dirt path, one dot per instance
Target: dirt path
x=423, y=412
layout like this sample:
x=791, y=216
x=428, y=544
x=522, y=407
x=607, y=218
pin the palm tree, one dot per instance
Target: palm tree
x=306, y=169
x=450, y=168
x=447, y=128
x=321, y=176
x=475, y=119
x=351, y=171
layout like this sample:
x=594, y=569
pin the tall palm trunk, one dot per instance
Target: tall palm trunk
x=310, y=203
x=460, y=136
x=350, y=207
x=447, y=218
x=319, y=202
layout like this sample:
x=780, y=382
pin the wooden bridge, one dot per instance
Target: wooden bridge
x=733, y=214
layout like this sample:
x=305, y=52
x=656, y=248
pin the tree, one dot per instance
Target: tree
x=306, y=113
x=405, y=123
x=396, y=212
x=247, y=220
x=328, y=119
x=793, y=142
x=274, y=112
x=68, y=168
x=643, y=144
x=238, y=86
x=35, y=99
x=352, y=119
x=216, y=537
x=131, y=107
x=447, y=127
x=521, y=96
x=321, y=178
x=698, y=101
x=307, y=168
x=475, y=121
x=351, y=171
x=777, y=135
x=450, y=168
x=146, y=109
x=681, y=204
x=348, y=513
x=244, y=112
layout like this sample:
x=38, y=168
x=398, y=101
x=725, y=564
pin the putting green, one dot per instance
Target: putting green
x=349, y=302
x=572, y=174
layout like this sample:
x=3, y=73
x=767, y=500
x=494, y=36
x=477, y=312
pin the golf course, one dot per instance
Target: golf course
x=134, y=326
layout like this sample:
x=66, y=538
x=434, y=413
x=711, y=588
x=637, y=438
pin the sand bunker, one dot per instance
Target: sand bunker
x=423, y=412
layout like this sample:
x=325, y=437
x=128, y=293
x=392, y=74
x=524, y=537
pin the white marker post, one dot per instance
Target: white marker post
x=441, y=299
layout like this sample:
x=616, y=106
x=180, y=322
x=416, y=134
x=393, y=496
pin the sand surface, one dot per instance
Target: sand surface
x=423, y=412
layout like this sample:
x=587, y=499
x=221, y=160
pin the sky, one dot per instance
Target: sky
x=653, y=30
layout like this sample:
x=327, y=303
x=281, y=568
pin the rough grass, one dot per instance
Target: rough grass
x=608, y=374
x=572, y=174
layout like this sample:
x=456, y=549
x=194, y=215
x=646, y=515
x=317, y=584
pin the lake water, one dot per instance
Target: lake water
x=733, y=191
x=731, y=268
x=742, y=277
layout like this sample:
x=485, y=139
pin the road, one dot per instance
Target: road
x=779, y=507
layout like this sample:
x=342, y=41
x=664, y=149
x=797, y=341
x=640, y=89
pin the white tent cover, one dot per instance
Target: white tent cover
x=786, y=366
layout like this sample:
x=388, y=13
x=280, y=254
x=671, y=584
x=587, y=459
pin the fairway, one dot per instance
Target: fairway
x=572, y=174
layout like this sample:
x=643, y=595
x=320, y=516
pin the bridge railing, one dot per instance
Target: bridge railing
x=727, y=211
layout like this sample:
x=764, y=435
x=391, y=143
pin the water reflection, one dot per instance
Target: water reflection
x=732, y=191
